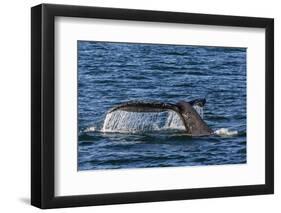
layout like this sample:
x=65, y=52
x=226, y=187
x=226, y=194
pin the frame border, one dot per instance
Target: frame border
x=43, y=102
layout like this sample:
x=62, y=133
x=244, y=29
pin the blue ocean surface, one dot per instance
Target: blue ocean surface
x=113, y=73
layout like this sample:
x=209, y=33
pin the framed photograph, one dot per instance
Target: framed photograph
x=139, y=106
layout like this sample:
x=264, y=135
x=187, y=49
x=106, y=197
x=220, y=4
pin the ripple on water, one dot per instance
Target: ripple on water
x=112, y=73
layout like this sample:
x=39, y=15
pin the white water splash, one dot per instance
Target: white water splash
x=90, y=129
x=225, y=132
x=173, y=121
x=122, y=121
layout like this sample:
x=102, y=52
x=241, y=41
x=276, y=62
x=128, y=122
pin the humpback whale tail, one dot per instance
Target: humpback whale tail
x=192, y=121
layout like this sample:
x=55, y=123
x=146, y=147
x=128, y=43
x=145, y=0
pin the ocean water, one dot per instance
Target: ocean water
x=113, y=73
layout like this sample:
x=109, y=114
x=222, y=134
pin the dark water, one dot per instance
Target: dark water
x=113, y=73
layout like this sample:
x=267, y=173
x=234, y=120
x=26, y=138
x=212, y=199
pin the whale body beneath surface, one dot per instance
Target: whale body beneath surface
x=192, y=121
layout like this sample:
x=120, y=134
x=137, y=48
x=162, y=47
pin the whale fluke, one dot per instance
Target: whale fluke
x=193, y=123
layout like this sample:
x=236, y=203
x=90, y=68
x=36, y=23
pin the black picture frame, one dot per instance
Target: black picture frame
x=43, y=102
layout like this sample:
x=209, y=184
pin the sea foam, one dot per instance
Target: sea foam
x=225, y=132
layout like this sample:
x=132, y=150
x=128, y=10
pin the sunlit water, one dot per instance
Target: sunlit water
x=114, y=73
